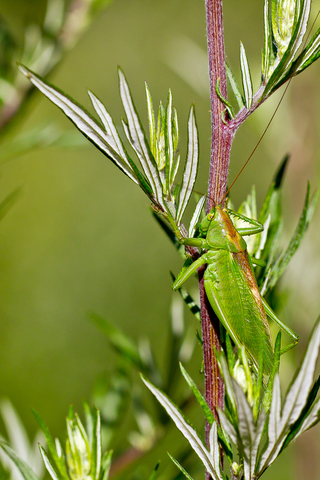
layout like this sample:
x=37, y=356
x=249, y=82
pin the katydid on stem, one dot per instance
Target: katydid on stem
x=230, y=283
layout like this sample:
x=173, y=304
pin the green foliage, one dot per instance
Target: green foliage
x=157, y=159
x=258, y=425
x=284, y=54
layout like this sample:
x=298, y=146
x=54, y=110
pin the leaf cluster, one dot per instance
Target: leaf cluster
x=255, y=420
x=285, y=54
x=158, y=158
x=82, y=457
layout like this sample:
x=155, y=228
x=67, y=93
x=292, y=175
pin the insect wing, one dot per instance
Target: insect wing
x=233, y=294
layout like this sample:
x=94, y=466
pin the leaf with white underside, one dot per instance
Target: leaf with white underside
x=191, y=165
x=227, y=382
x=54, y=475
x=267, y=54
x=152, y=123
x=169, y=140
x=280, y=73
x=214, y=446
x=26, y=471
x=109, y=126
x=228, y=427
x=235, y=87
x=300, y=28
x=246, y=77
x=249, y=431
x=83, y=121
x=309, y=55
x=295, y=401
x=196, y=216
x=185, y=428
x=138, y=141
x=311, y=419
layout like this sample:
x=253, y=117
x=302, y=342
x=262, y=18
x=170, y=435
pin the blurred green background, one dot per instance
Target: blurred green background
x=81, y=238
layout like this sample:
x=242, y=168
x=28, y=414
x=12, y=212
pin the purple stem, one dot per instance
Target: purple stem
x=221, y=141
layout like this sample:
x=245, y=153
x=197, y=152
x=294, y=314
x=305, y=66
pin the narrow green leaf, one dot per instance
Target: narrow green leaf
x=224, y=369
x=258, y=439
x=200, y=399
x=175, y=129
x=89, y=421
x=120, y=342
x=169, y=141
x=246, y=77
x=189, y=301
x=224, y=101
x=109, y=126
x=115, y=141
x=309, y=55
x=152, y=123
x=267, y=398
x=191, y=166
x=271, y=209
x=278, y=269
x=245, y=424
x=267, y=53
x=25, y=470
x=17, y=434
x=136, y=137
x=106, y=464
x=154, y=473
x=312, y=419
x=235, y=87
x=174, y=173
x=228, y=427
x=298, y=392
x=308, y=418
x=53, y=473
x=274, y=431
x=59, y=460
x=189, y=432
x=196, y=216
x=301, y=27
x=177, y=464
x=96, y=445
x=214, y=446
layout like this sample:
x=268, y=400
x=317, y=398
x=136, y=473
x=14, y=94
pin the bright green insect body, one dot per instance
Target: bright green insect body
x=230, y=283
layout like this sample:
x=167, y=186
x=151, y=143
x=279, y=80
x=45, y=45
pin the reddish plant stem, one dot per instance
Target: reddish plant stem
x=210, y=337
x=222, y=136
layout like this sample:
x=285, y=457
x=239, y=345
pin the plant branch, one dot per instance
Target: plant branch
x=222, y=135
x=220, y=152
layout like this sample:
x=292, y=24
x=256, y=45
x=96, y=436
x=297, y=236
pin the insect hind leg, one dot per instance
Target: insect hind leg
x=294, y=337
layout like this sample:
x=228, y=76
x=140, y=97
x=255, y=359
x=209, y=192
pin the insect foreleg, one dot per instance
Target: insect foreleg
x=284, y=327
x=190, y=270
x=258, y=261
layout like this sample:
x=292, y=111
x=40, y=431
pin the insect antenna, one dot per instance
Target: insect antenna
x=271, y=119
